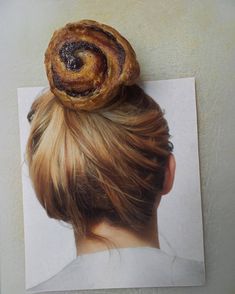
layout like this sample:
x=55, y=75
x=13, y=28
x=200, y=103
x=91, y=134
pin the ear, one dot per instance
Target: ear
x=169, y=175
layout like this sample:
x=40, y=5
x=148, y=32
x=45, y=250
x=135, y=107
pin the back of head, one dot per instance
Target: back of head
x=107, y=163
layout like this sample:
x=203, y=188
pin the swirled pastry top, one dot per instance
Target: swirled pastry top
x=87, y=63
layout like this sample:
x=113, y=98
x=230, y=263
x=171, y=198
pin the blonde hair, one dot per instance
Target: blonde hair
x=107, y=164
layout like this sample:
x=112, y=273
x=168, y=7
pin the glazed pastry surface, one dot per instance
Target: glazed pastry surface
x=87, y=63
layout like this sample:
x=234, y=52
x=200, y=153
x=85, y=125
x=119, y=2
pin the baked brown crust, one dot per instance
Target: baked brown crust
x=87, y=63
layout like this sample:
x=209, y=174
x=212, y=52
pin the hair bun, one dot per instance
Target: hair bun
x=87, y=63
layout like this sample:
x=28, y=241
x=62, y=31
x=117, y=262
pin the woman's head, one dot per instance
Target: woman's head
x=106, y=163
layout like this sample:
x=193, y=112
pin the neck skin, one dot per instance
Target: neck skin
x=121, y=237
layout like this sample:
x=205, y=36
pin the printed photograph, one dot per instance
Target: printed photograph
x=110, y=170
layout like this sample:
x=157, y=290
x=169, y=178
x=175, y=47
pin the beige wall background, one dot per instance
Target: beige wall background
x=172, y=39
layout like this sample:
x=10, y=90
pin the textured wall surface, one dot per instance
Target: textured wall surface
x=172, y=39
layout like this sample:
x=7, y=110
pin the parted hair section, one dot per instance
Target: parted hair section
x=107, y=164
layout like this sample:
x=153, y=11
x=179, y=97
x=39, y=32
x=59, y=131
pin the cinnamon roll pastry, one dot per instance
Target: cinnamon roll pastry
x=87, y=63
